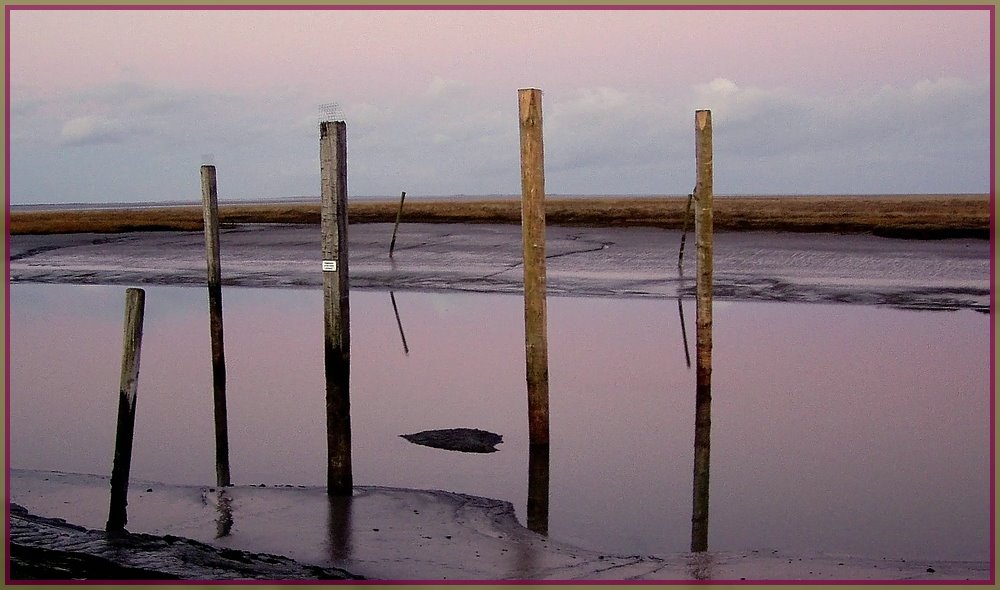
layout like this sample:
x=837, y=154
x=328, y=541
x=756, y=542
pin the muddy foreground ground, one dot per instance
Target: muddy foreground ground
x=284, y=532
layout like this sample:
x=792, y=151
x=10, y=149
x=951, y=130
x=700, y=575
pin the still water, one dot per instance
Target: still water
x=848, y=429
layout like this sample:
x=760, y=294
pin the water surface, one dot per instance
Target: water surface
x=836, y=428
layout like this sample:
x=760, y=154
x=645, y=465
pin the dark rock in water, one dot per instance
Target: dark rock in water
x=467, y=440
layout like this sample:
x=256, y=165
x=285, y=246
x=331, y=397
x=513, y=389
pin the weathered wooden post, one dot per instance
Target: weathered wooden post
x=533, y=236
x=336, y=305
x=210, y=209
x=135, y=300
x=703, y=348
x=399, y=215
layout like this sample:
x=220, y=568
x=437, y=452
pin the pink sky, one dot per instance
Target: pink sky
x=803, y=100
x=360, y=53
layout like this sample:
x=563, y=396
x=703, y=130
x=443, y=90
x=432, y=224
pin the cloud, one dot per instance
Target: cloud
x=451, y=137
x=926, y=137
x=93, y=130
x=151, y=138
x=601, y=122
x=447, y=139
x=440, y=87
x=782, y=141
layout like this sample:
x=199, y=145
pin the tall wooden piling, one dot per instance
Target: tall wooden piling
x=336, y=307
x=533, y=236
x=210, y=210
x=703, y=348
x=395, y=228
x=135, y=300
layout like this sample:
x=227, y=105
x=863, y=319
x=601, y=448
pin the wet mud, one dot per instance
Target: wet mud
x=608, y=262
x=53, y=549
x=380, y=533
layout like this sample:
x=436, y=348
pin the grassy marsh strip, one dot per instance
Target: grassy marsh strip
x=905, y=216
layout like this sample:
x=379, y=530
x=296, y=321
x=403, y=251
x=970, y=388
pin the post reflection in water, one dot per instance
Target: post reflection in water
x=527, y=556
x=702, y=566
x=224, y=522
x=538, y=488
x=339, y=527
x=399, y=323
x=816, y=494
x=680, y=312
x=702, y=433
x=702, y=451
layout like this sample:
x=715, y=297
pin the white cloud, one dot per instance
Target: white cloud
x=931, y=136
x=440, y=87
x=93, y=130
x=718, y=86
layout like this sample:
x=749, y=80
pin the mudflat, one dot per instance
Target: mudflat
x=581, y=261
x=417, y=535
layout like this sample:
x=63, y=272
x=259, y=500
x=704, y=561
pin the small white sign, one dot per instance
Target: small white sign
x=329, y=266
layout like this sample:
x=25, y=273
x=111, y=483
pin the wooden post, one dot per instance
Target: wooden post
x=336, y=305
x=210, y=209
x=533, y=236
x=703, y=348
x=399, y=215
x=134, y=307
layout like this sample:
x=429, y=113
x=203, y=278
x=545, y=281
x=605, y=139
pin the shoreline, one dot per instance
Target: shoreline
x=434, y=535
x=900, y=216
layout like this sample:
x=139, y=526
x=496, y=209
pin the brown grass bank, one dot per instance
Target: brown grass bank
x=904, y=216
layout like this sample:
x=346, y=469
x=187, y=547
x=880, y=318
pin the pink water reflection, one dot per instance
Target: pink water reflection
x=845, y=429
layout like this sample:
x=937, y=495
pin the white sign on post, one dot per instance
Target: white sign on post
x=329, y=266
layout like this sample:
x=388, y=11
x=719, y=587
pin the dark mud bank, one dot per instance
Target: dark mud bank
x=606, y=262
x=52, y=549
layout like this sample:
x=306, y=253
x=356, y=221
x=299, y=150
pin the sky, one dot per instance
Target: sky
x=125, y=105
